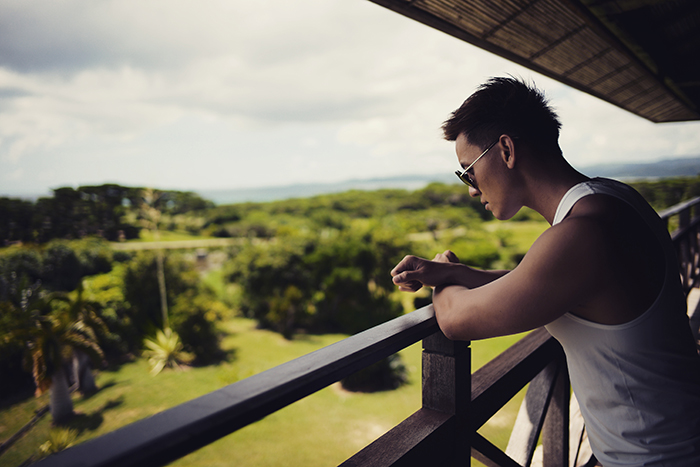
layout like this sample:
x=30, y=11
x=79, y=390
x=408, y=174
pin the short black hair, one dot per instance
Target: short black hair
x=505, y=106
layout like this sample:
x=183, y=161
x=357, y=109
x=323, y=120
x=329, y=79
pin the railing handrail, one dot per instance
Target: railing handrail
x=678, y=208
x=173, y=433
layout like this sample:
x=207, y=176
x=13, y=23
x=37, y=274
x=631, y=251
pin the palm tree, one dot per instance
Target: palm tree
x=84, y=314
x=42, y=324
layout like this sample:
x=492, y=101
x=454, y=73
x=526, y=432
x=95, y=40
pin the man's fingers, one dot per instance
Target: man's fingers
x=403, y=278
x=451, y=256
x=405, y=283
x=404, y=264
x=412, y=286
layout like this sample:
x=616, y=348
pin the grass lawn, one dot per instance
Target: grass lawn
x=320, y=430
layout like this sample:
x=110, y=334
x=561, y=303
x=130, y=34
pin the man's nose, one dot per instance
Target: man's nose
x=474, y=192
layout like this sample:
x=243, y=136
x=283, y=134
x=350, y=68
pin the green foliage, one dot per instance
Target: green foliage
x=269, y=275
x=106, y=291
x=445, y=204
x=332, y=281
x=47, y=326
x=194, y=317
x=18, y=265
x=59, y=439
x=165, y=351
x=16, y=220
x=193, y=307
x=141, y=288
x=481, y=254
x=665, y=193
x=94, y=254
x=59, y=264
x=91, y=211
x=61, y=267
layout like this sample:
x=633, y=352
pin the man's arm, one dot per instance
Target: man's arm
x=413, y=272
x=561, y=272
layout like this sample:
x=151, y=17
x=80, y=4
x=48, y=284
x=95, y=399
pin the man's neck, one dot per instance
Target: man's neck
x=549, y=187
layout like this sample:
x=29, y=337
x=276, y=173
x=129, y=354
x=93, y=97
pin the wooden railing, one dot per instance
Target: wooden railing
x=685, y=238
x=443, y=432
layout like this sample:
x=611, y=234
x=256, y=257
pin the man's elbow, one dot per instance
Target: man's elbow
x=450, y=327
x=443, y=313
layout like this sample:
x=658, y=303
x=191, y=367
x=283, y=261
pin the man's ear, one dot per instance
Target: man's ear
x=508, y=151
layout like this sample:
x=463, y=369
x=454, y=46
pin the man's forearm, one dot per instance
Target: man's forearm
x=472, y=278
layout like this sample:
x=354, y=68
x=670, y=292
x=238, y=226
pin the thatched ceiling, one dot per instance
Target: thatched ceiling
x=641, y=55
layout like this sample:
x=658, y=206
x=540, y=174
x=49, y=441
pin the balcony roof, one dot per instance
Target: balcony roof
x=640, y=55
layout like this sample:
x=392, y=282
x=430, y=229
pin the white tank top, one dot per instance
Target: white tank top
x=638, y=383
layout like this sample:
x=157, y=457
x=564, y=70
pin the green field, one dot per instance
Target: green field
x=321, y=430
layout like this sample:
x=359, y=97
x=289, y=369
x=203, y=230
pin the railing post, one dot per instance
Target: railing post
x=684, y=218
x=555, y=431
x=447, y=388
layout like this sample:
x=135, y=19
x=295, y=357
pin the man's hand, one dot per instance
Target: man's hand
x=413, y=272
x=446, y=257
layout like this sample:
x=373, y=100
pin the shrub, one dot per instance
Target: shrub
x=16, y=265
x=191, y=308
x=61, y=269
x=164, y=350
x=141, y=288
x=334, y=281
x=95, y=256
x=106, y=290
x=194, y=318
x=384, y=375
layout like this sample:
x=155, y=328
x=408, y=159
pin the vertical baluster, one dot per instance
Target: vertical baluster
x=447, y=387
x=684, y=218
x=555, y=432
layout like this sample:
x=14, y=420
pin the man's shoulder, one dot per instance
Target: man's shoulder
x=585, y=239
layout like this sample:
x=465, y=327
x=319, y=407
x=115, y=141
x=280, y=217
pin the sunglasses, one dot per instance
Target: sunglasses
x=464, y=174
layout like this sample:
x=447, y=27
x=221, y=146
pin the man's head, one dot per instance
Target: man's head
x=506, y=106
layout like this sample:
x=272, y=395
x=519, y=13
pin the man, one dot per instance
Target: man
x=603, y=280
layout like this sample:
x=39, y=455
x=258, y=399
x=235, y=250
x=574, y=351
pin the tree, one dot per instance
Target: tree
x=42, y=325
x=151, y=218
x=85, y=312
x=337, y=281
x=61, y=266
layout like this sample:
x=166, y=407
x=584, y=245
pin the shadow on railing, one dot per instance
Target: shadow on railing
x=455, y=403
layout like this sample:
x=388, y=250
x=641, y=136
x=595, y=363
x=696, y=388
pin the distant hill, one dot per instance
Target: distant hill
x=688, y=167
x=649, y=170
x=666, y=168
x=275, y=193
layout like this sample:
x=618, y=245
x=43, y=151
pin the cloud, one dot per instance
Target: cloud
x=120, y=89
x=117, y=69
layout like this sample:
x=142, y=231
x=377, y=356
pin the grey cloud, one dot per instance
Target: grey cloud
x=11, y=93
x=40, y=36
x=66, y=36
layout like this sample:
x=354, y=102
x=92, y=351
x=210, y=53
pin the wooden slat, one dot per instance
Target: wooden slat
x=502, y=378
x=528, y=424
x=425, y=438
x=485, y=452
x=580, y=452
x=555, y=432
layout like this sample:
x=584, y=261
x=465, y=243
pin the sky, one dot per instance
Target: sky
x=193, y=95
